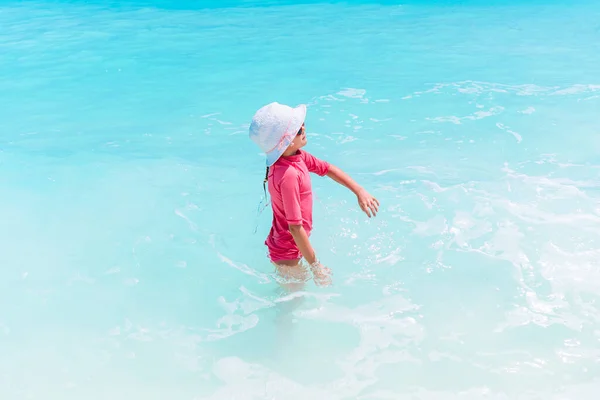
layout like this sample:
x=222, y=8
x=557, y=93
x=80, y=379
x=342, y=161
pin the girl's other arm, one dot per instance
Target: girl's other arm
x=322, y=274
x=301, y=238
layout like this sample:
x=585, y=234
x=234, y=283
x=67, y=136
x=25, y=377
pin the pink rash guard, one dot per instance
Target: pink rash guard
x=291, y=199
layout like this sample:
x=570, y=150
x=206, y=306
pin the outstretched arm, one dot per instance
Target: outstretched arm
x=368, y=203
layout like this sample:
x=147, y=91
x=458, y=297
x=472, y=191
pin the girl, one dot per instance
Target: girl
x=279, y=131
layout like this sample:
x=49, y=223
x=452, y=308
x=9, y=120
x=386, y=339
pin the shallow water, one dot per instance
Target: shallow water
x=129, y=193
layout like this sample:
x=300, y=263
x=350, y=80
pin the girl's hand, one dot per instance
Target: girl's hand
x=367, y=203
x=321, y=274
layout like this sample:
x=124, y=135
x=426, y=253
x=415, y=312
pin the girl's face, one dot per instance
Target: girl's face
x=300, y=139
x=298, y=142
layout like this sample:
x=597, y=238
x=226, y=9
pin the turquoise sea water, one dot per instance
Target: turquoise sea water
x=129, y=266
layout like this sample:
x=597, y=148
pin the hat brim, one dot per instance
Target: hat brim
x=298, y=117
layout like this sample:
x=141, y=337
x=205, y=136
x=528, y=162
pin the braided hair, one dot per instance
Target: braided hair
x=265, y=182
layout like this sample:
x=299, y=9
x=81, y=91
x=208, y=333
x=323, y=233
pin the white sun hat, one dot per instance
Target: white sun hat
x=274, y=126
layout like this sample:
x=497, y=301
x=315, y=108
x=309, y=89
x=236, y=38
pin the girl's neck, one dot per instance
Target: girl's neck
x=289, y=153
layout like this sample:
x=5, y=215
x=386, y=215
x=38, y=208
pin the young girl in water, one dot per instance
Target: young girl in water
x=279, y=131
